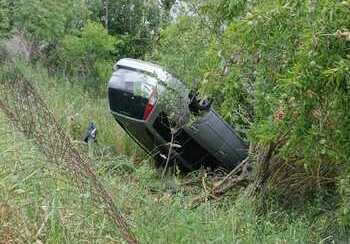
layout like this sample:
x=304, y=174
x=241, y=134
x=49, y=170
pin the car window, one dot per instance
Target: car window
x=129, y=91
x=135, y=82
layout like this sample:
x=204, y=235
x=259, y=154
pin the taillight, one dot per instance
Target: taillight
x=152, y=100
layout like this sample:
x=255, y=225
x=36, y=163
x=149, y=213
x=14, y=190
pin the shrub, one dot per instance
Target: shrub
x=89, y=54
x=279, y=71
x=4, y=18
x=47, y=21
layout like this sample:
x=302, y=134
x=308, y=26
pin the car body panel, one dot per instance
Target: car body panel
x=208, y=140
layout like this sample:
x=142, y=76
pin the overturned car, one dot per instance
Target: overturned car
x=158, y=111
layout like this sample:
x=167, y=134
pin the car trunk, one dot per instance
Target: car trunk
x=127, y=103
x=129, y=92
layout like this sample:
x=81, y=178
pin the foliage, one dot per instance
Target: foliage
x=28, y=113
x=183, y=49
x=279, y=73
x=158, y=208
x=47, y=21
x=137, y=22
x=88, y=53
x=4, y=18
x=57, y=25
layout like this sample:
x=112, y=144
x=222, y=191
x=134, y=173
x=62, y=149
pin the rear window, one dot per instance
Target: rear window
x=129, y=91
x=132, y=81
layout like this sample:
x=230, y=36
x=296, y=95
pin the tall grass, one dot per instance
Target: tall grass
x=39, y=204
x=30, y=115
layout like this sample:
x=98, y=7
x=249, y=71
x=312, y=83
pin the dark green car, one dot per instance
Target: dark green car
x=153, y=108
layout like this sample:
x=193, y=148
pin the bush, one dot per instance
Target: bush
x=280, y=73
x=4, y=18
x=47, y=21
x=89, y=54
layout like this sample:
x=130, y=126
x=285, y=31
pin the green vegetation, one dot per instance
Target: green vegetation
x=279, y=72
x=88, y=54
x=34, y=193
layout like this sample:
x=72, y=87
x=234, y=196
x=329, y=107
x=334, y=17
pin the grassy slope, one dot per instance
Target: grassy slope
x=37, y=202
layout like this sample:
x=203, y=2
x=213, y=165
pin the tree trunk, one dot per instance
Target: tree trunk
x=105, y=4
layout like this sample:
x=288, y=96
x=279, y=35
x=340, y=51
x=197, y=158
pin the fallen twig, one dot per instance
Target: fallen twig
x=228, y=182
x=169, y=154
x=40, y=230
x=234, y=171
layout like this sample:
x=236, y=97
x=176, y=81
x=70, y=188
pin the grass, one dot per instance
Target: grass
x=39, y=204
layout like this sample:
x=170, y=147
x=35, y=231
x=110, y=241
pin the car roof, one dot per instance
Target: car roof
x=143, y=66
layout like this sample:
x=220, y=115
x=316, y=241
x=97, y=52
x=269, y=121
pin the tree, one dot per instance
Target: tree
x=88, y=53
x=4, y=18
x=166, y=6
x=136, y=22
x=48, y=21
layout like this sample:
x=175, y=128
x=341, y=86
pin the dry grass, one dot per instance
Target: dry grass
x=288, y=176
